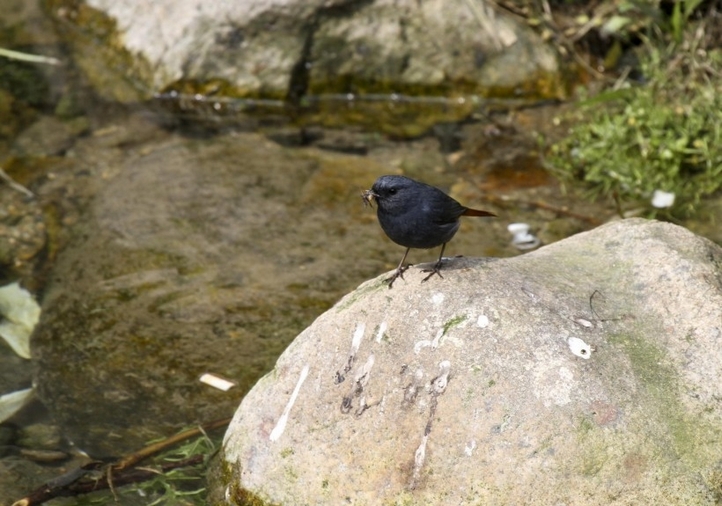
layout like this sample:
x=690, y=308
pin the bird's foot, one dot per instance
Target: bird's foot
x=398, y=274
x=435, y=270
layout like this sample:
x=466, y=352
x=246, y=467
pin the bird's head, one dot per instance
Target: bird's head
x=390, y=191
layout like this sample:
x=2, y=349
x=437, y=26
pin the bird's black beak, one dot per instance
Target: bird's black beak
x=367, y=196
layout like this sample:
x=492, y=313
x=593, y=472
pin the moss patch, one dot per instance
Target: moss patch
x=454, y=322
x=661, y=398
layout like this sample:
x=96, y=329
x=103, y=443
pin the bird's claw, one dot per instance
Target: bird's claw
x=435, y=270
x=398, y=274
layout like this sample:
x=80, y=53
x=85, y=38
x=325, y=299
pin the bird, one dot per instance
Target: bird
x=416, y=215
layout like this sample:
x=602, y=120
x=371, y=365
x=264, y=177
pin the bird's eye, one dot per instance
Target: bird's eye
x=392, y=191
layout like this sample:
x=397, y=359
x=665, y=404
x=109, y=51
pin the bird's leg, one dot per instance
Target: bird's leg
x=399, y=270
x=437, y=266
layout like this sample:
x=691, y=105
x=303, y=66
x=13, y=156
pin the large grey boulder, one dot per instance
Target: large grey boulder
x=262, y=48
x=587, y=372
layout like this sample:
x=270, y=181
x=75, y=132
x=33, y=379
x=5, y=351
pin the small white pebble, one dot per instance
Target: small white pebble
x=662, y=199
x=584, y=323
x=580, y=348
x=518, y=228
x=482, y=321
x=522, y=238
x=217, y=382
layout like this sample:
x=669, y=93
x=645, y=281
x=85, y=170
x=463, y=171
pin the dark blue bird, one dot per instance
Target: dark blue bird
x=416, y=215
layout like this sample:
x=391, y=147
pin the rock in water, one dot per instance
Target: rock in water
x=587, y=372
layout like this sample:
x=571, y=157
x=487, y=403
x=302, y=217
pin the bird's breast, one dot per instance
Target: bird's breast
x=417, y=227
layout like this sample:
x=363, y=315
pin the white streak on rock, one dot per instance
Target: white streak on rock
x=469, y=448
x=442, y=380
x=421, y=344
x=281, y=425
x=380, y=333
x=363, y=375
x=357, y=337
x=419, y=458
x=437, y=339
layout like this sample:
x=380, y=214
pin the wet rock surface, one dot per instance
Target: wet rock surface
x=22, y=233
x=49, y=136
x=586, y=372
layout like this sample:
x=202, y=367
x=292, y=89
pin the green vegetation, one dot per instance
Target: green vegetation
x=186, y=484
x=662, y=131
x=182, y=486
x=176, y=476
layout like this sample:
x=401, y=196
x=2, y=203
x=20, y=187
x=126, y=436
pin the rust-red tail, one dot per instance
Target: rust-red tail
x=476, y=212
